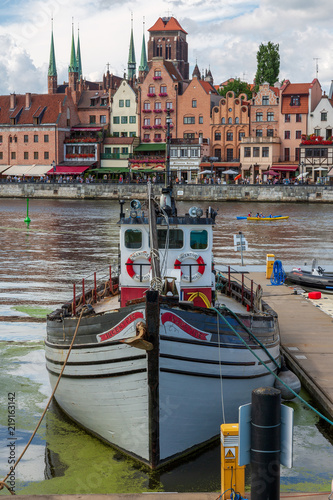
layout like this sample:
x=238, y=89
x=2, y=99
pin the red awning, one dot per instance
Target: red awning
x=285, y=168
x=67, y=170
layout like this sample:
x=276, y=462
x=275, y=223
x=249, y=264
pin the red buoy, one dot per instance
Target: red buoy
x=314, y=295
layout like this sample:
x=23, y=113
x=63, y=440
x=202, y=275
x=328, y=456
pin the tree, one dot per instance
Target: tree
x=238, y=87
x=268, y=64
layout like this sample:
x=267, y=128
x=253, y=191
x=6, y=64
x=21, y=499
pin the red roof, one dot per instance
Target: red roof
x=167, y=24
x=208, y=87
x=297, y=88
x=49, y=103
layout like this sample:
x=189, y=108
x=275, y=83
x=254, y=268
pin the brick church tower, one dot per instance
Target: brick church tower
x=167, y=39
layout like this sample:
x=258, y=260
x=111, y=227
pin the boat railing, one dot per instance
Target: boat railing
x=93, y=288
x=244, y=290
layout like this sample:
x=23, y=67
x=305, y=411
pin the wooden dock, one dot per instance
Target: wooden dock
x=306, y=339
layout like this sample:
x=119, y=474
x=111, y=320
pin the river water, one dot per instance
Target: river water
x=69, y=240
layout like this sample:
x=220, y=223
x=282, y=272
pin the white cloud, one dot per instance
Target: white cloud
x=224, y=36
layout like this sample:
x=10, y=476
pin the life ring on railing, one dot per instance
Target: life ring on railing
x=194, y=256
x=129, y=265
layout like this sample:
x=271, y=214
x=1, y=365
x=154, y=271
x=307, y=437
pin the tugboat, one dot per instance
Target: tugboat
x=165, y=350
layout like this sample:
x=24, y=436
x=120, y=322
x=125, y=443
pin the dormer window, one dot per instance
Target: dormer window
x=92, y=102
x=295, y=100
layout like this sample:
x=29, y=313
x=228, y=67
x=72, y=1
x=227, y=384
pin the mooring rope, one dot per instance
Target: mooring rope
x=3, y=483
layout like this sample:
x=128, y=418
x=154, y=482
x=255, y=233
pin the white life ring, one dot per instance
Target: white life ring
x=194, y=256
x=129, y=265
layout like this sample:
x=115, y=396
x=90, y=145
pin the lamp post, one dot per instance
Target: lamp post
x=167, y=152
x=130, y=172
x=302, y=172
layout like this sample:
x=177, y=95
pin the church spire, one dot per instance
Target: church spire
x=72, y=68
x=131, y=66
x=143, y=68
x=78, y=56
x=52, y=71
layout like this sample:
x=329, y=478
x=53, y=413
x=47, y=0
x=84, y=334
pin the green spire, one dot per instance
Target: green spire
x=78, y=56
x=143, y=63
x=52, y=64
x=72, y=68
x=131, y=65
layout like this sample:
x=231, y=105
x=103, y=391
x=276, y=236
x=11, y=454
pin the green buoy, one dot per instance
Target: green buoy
x=27, y=219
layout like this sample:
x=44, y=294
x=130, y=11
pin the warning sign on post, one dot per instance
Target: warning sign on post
x=229, y=453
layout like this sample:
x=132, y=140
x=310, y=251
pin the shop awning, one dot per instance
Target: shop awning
x=37, y=170
x=3, y=168
x=285, y=168
x=67, y=170
x=111, y=170
x=18, y=170
x=151, y=147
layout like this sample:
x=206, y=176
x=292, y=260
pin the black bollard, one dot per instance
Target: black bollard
x=265, y=443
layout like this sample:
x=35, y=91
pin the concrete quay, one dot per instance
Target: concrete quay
x=183, y=192
x=306, y=338
x=164, y=496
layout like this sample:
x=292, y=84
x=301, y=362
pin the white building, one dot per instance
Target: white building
x=321, y=119
x=124, y=118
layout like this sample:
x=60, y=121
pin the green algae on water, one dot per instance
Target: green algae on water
x=34, y=312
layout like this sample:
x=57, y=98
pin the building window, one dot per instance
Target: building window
x=146, y=137
x=124, y=151
x=223, y=121
x=157, y=73
x=259, y=132
x=102, y=119
x=190, y=135
x=169, y=105
x=158, y=105
x=116, y=151
x=194, y=152
x=298, y=117
x=298, y=134
x=163, y=89
x=46, y=138
x=229, y=121
x=259, y=117
x=194, y=103
x=230, y=136
x=146, y=105
x=265, y=152
x=116, y=120
x=92, y=118
x=151, y=89
x=26, y=155
x=36, y=155
x=1, y=155
x=1, y=138
x=317, y=131
x=270, y=132
x=237, y=120
x=297, y=154
x=127, y=103
x=247, y=152
x=13, y=155
x=124, y=119
x=10, y=139
x=121, y=103
x=241, y=135
x=115, y=134
x=323, y=117
x=270, y=116
x=287, y=118
x=189, y=120
x=146, y=122
x=46, y=155
x=25, y=138
x=287, y=134
x=286, y=154
x=132, y=119
x=217, y=136
x=256, y=151
x=158, y=121
x=35, y=138
x=183, y=153
x=295, y=100
x=200, y=119
x=265, y=100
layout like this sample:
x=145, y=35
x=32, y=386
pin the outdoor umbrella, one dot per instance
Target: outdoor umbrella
x=204, y=172
x=270, y=172
x=321, y=168
x=302, y=175
x=230, y=172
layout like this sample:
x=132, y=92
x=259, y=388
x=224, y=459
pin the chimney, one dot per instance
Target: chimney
x=27, y=100
x=12, y=101
x=60, y=106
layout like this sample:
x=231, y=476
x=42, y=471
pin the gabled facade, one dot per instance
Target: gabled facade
x=230, y=122
x=321, y=118
x=158, y=94
x=124, y=118
x=194, y=108
x=94, y=109
x=265, y=112
x=298, y=100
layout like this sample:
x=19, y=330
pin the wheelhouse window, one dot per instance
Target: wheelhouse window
x=199, y=240
x=133, y=238
x=176, y=238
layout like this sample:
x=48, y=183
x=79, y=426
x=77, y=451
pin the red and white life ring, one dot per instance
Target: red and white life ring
x=194, y=256
x=129, y=265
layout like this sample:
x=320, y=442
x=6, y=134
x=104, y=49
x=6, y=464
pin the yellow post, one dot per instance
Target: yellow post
x=232, y=474
x=270, y=258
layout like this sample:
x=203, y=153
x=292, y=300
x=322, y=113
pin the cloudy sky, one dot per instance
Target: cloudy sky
x=223, y=35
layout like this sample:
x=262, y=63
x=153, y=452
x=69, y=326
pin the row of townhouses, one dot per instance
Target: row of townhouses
x=119, y=125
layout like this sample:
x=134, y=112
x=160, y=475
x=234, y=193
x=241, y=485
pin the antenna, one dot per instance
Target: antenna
x=316, y=59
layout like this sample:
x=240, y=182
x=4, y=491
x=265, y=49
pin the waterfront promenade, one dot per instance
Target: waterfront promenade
x=311, y=193
x=165, y=496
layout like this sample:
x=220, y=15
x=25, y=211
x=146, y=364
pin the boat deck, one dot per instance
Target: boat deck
x=306, y=337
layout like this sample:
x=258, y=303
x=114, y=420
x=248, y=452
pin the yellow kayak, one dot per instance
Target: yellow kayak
x=271, y=219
